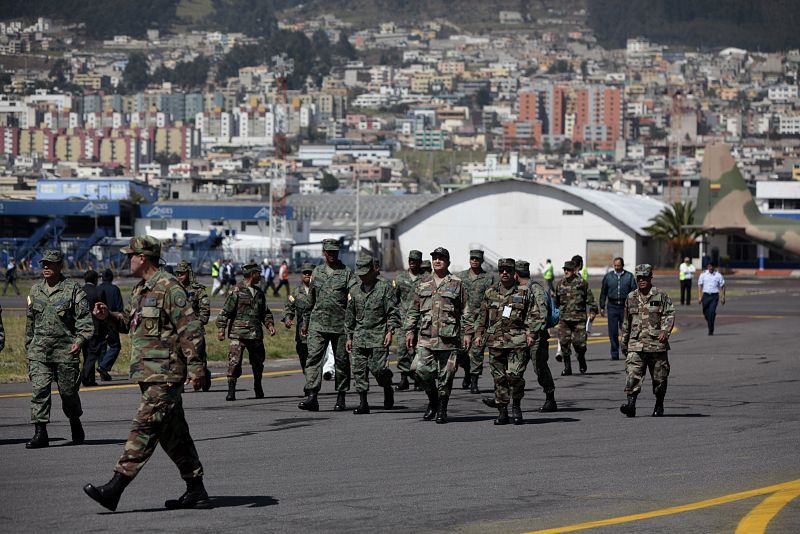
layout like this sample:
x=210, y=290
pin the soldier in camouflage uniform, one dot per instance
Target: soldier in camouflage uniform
x=425, y=267
x=323, y=322
x=646, y=326
x=404, y=289
x=201, y=304
x=435, y=321
x=296, y=304
x=476, y=281
x=242, y=315
x=573, y=296
x=165, y=335
x=58, y=324
x=370, y=322
x=503, y=324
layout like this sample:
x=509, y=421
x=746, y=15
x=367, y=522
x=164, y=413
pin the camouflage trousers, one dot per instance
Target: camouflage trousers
x=541, y=353
x=471, y=360
x=301, y=347
x=404, y=356
x=435, y=369
x=255, y=352
x=371, y=360
x=68, y=379
x=572, y=334
x=637, y=364
x=508, y=370
x=317, y=343
x=160, y=418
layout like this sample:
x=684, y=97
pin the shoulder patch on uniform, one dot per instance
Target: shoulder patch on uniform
x=291, y=298
x=180, y=301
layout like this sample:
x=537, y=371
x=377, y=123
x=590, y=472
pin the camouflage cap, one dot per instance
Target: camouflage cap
x=53, y=256
x=644, y=269
x=475, y=253
x=250, y=268
x=307, y=268
x=506, y=263
x=183, y=267
x=143, y=244
x=415, y=255
x=441, y=251
x=364, y=264
x=330, y=245
x=425, y=265
x=523, y=268
x=569, y=265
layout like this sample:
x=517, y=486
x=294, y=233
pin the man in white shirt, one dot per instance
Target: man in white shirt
x=711, y=285
x=685, y=275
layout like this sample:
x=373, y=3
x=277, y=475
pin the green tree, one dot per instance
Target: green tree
x=343, y=47
x=136, y=75
x=674, y=226
x=329, y=183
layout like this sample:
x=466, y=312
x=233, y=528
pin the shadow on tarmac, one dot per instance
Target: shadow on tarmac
x=17, y=441
x=97, y=442
x=223, y=501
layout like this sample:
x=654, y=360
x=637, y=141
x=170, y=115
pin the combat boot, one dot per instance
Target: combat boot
x=473, y=384
x=310, y=403
x=658, y=410
x=231, y=396
x=195, y=496
x=465, y=383
x=108, y=494
x=340, y=405
x=39, y=439
x=257, y=389
x=549, y=403
x=516, y=411
x=567, y=366
x=403, y=385
x=78, y=435
x=629, y=408
x=582, y=363
x=388, y=397
x=502, y=416
x=363, y=407
x=490, y=402
x=441, y=415
x=433, y=405
x=206, y=380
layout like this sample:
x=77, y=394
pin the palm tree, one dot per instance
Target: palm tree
x=674, y=225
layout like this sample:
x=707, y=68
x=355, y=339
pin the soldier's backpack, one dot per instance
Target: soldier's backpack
x=553, y=313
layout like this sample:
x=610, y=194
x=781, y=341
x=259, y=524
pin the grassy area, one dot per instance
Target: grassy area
x=194, y=11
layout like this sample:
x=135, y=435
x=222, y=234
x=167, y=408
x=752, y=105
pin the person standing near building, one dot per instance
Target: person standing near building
x=267, y=276
x=241, y=317
x=616, y=286
x=58, y=324
x=685, y=275
x=165, y=335
x=112, y=346
x=404, y=290
x=296, y=305
x=283, y=274
x=201, y=304
x=323, y=323
x=435, y=322
x=549, y=276
x=649, y=318
x=94, y=347
x=216, y=281
x=476, y=281
x=573, y=297
x=711, y=286
x=371, y=320
x=11, y=276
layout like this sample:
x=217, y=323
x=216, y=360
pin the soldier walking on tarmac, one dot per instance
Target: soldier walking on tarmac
x=296, y=305
x=404, y=286
x=201, y=304
x=242, y=315
x=476, y=281
x=165, y=335
x=573, y=296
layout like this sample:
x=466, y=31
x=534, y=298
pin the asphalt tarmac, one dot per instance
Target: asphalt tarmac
x=725, y=456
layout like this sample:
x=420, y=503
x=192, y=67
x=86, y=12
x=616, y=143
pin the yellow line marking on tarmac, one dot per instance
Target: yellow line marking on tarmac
x=783, y=490
x=759, y=517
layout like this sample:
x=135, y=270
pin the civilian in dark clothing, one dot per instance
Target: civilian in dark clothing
x=93, y=348
x=616, y=286
x=112, y=345
x=11, y=276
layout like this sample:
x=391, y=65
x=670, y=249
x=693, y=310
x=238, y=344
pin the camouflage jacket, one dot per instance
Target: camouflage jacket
x=646, y=316
x=437, y=314
x=404, y=286
x=504, y=316
x=296, y=305
x=537, y=314
x=2, y=331
x=201, y=304
x=476, y=286
x=56, y=320
x=244, y=312
x=328, y=298
x=573, y=296
x=370, y=314
x=164, y=331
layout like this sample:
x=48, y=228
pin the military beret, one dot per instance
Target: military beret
x=506, y=263
x=183, y=267
x=415, y=255
x=644, y=269
x=53, y=256
x=569, y=265
x=364, y=264
x=307, y=268
x=250, y=268
x=441, y=251
x=523, y=268
x=144, y=244
x=476, y=254
x=330, y=245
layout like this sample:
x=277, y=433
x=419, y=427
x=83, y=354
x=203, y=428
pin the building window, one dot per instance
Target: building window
x=571, y=212
x=158, y=224
x=175, y=195
x=184, y=225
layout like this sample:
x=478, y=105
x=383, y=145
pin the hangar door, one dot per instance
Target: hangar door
x=601, y=254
